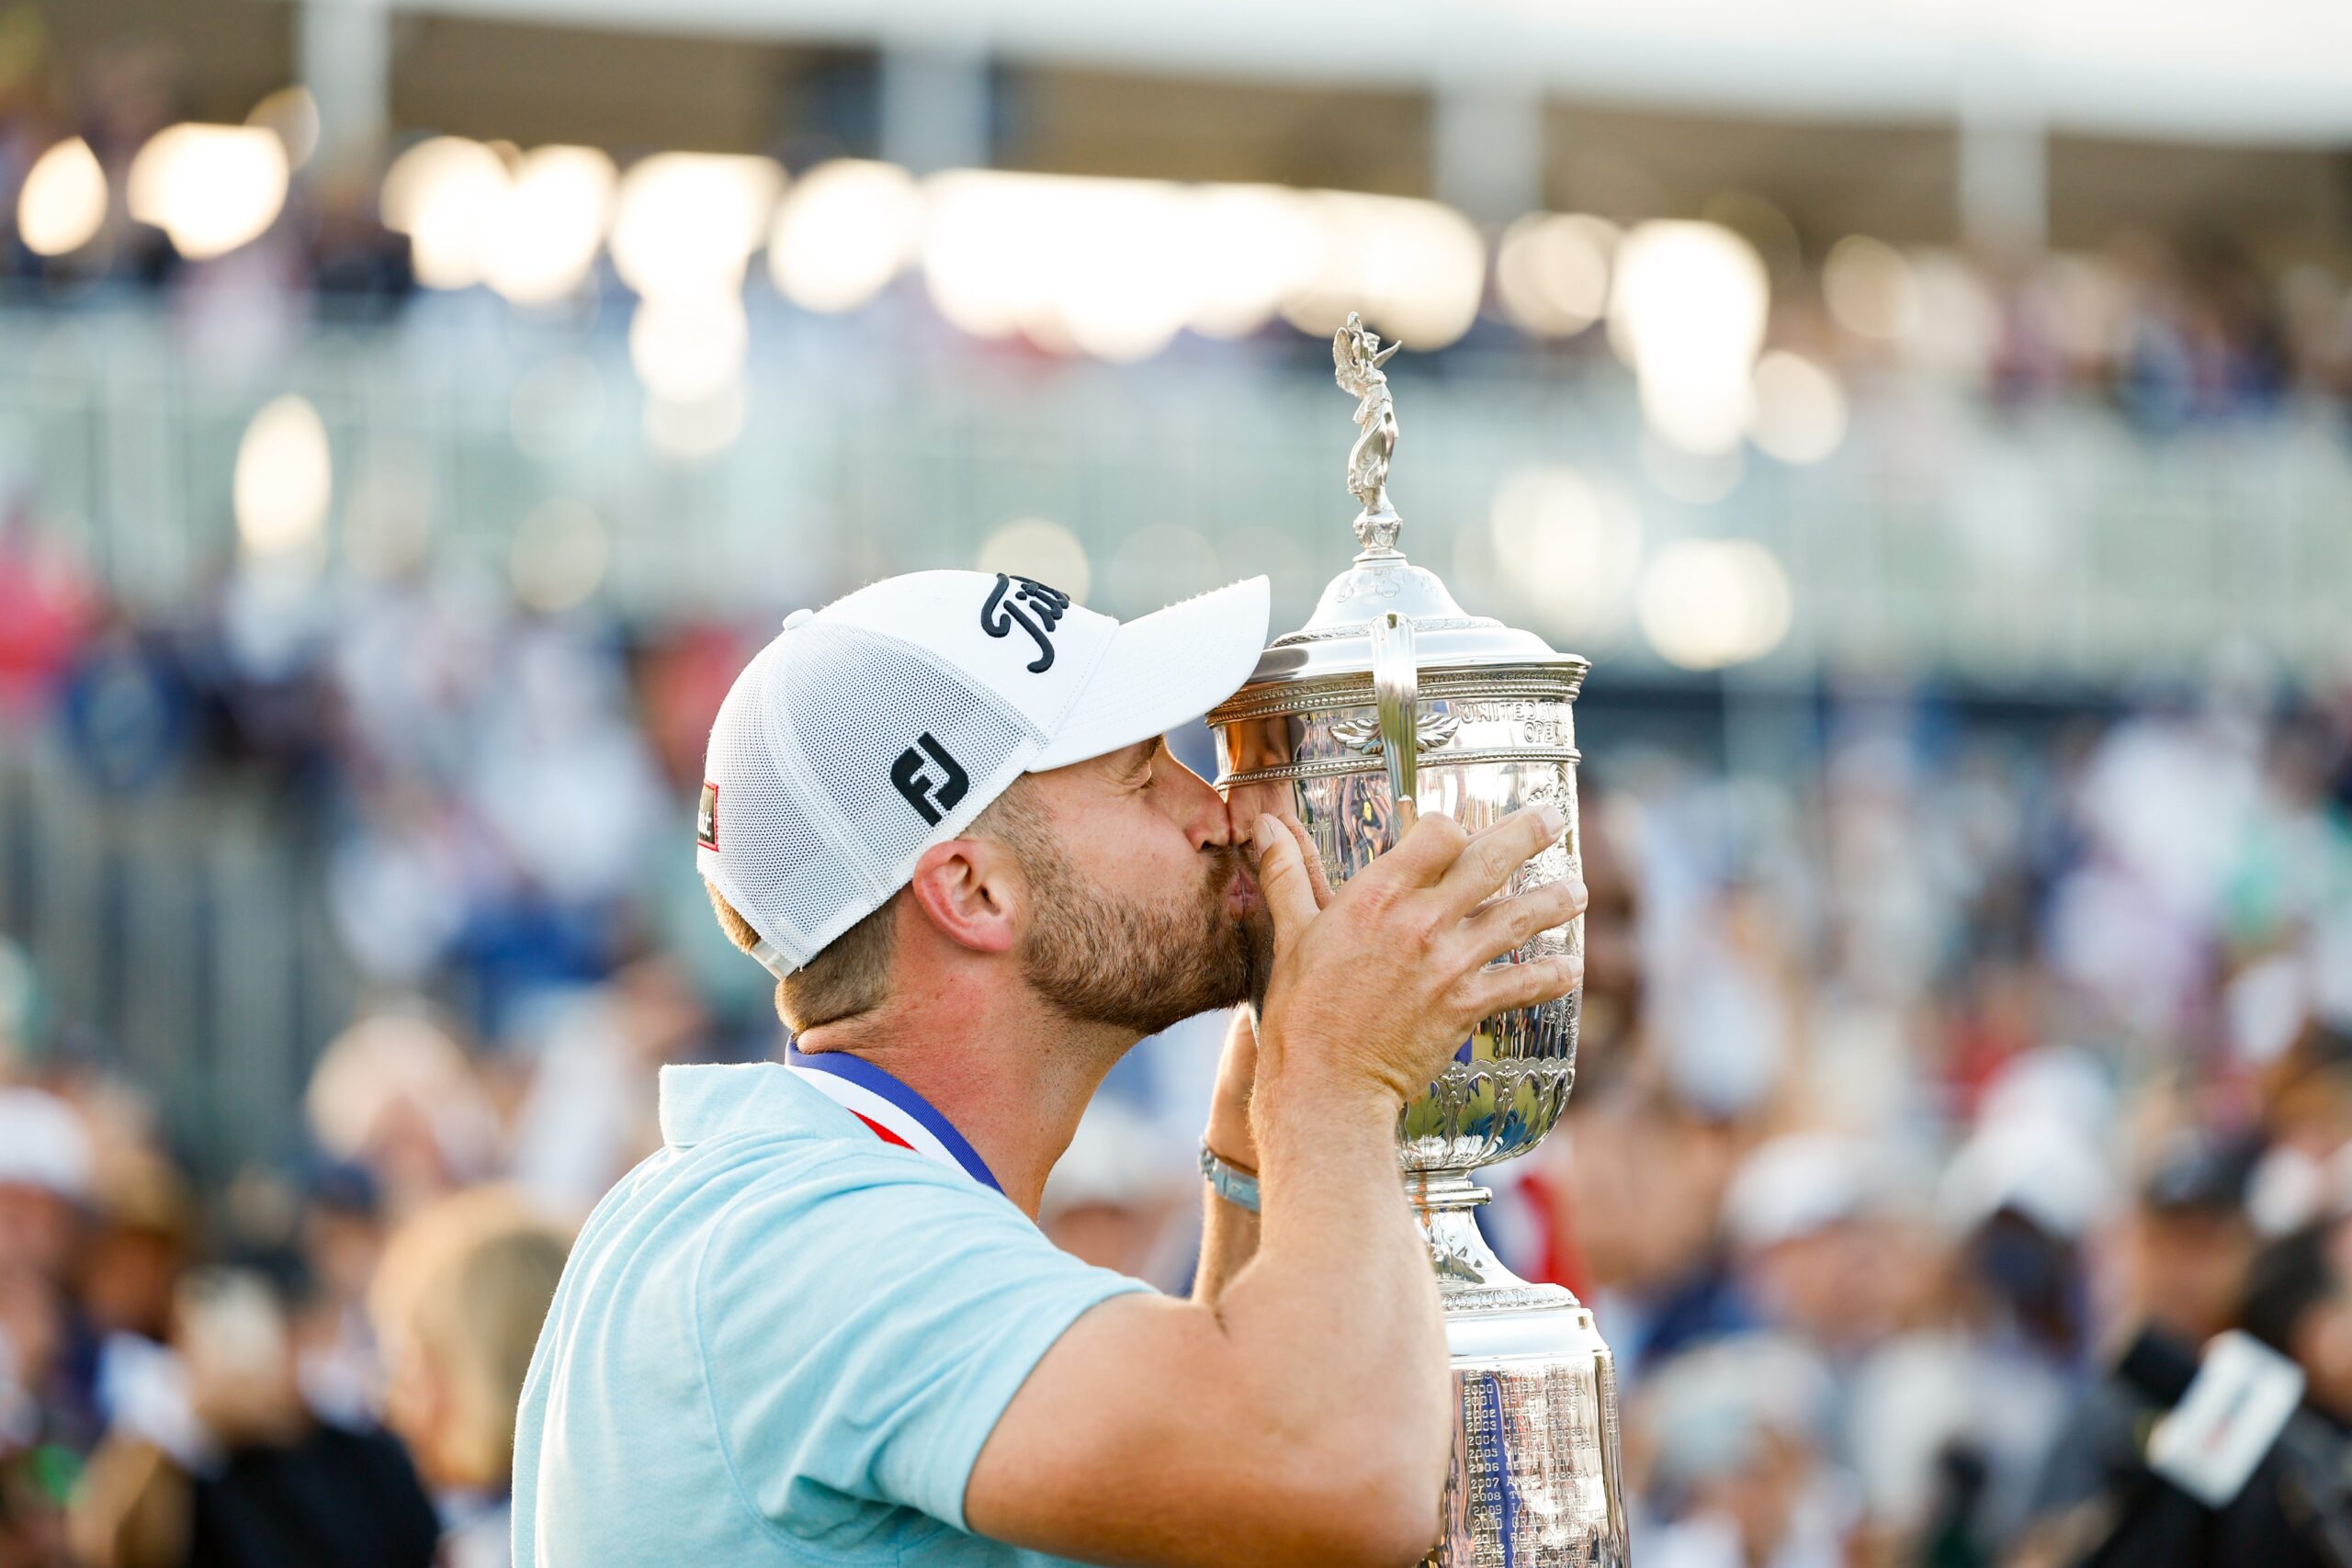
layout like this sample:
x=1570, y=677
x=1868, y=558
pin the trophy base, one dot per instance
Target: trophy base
x=1535, y=1480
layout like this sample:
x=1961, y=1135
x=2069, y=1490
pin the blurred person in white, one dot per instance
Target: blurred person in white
x=559, y=773
x=1118, y=1196
x=458, y=1303
x=46, y=1181
x=1798, y=1215
x=1833, y=1251
x=1727, y=1442
x=587, y=1114
x=820, y=1324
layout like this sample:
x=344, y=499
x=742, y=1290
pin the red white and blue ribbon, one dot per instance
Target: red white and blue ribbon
x=892, y=1111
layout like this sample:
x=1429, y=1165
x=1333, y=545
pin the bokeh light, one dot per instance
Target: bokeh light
x=1709, y=603
x=558, y=555
x=844, y=231
x=291, y=115
x=1570, y=548
x=1251, y=248
x=444, y=194
x=543, y=231
x=687, y=224
x=210, y=187
x=697, y=429
x=1689, y=305
x=1415, y=269
x=63, y=202
x=283, y=479
x=1869, y=287
x=1036, y=548
x=1800, y=413
x=1096, y=266
x=1552, y=271
x=689, y=349
x=387, y=531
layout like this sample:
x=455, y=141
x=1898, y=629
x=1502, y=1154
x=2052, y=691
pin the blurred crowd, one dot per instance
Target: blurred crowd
x=1917, y=1081
x=1914, y=1084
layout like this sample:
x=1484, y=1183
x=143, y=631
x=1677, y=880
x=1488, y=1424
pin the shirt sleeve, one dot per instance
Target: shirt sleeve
x=863, y=1327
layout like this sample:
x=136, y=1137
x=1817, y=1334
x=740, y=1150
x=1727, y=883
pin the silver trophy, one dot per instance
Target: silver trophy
x=1389, y=701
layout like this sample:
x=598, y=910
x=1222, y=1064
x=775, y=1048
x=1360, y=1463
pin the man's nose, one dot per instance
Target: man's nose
x=1199, y=806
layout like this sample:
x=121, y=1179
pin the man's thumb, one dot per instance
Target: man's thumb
x=1281, y=878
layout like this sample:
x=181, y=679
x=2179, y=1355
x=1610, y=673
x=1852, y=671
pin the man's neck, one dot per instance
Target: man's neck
x=1011, y=1074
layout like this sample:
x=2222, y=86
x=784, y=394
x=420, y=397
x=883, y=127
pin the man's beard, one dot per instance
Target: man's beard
x=1147, y=965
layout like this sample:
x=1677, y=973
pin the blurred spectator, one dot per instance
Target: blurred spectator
x=2189, y=1246
x=1733, y=1454
x=1119, y=1197
x=458, y=1306
x=253, y=1477
x=396, y=1094
x=1870, y=1041
x=1799, y=1215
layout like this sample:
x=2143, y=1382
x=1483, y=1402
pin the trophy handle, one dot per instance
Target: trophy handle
x=1396, y=686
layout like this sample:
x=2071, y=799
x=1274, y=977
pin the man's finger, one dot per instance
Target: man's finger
x=1509, y=923
x=1486, y=862
x=1420, y=858
x=1283, y=880
x=1316, y=871
x=1531, y=984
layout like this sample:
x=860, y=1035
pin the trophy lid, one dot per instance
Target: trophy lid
x=1338, y=638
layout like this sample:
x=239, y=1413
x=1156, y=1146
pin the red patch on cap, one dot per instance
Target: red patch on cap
x=707, y=818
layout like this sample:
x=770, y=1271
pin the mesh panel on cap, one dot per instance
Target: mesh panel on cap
x=858, y=706
x=777, y=863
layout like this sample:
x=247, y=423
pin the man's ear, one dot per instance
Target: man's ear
x=969, y=891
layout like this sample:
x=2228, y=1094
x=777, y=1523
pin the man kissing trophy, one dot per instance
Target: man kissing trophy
x=1392, y=701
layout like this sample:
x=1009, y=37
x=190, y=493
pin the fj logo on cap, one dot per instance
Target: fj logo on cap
x=706, y=817
x=1033, y=607
x=931, y=798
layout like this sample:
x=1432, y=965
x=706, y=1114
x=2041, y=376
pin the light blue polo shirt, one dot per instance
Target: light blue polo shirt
x=780, y=1339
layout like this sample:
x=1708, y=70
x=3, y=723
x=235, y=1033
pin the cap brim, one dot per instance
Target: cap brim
x=1162, y=670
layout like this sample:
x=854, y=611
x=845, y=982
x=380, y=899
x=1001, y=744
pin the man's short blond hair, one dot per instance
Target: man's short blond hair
x=850, y=975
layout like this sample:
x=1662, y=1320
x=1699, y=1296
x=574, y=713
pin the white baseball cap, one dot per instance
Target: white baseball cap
x=881, y=725
x=43, y=1144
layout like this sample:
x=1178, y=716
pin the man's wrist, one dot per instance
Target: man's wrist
x=1229, y=1139
x=1236, y=1186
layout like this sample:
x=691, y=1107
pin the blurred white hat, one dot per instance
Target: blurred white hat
x=2060, y=1084
x=1708, y=1409
x=1795, y=1185
x=1118, y=1157
x=2041, y=1166
x=43, y=1144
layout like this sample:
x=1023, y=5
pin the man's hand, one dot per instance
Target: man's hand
x=1301, y=1415
x=1228, y=1133
x=1372, y=993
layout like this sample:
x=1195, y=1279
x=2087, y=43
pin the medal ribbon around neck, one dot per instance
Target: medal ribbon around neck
x=891, y=1111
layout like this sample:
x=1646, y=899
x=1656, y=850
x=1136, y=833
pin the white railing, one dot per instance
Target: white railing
x=2053, y=541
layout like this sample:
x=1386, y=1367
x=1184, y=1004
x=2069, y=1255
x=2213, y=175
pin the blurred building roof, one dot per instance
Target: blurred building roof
x=2260, y=70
